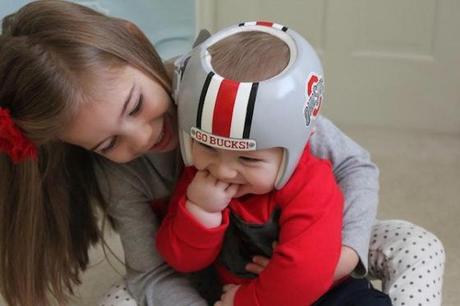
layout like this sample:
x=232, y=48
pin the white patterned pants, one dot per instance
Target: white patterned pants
x=410, y=262
x=407, y=258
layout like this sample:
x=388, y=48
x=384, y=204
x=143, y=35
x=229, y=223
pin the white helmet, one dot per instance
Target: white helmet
x=232, y=115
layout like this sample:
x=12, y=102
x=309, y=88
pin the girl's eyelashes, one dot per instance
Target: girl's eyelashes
x=114, y=139
x=138, y=106
x=110, y=146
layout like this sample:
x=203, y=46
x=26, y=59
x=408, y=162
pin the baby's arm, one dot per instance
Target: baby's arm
x=183, y=241
x=358, y=179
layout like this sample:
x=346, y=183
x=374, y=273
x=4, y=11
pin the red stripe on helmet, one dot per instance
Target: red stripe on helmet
x=223, y=109
x=265, y=23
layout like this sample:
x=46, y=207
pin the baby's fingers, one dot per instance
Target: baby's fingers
x=254, y=268
x=226, y=288
x=258, y=264
x=221, y=185
x=202, y=175
x=232, y=189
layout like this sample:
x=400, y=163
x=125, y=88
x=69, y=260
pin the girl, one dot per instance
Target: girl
x=87, y=124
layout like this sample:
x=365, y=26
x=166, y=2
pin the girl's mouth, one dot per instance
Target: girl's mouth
x=164, y=138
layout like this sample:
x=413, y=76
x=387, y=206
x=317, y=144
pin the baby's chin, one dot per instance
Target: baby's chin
x=242, y=191
x=246, y=190
x=240, y=194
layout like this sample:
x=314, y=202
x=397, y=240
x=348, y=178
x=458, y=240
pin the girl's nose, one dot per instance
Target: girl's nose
x=139, y=136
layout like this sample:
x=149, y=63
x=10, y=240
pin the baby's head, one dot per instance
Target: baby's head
x=255, y=87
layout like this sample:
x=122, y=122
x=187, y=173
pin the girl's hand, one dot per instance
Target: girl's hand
x=228, y=297
x=210, y=194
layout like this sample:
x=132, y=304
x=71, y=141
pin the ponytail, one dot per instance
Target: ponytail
x=47, y=224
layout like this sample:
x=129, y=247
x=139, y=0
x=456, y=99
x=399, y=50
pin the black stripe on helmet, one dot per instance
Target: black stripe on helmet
x=204, y=91
x=250, y=110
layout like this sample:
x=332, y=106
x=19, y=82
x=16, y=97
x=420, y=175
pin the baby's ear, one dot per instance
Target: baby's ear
x=202, y=36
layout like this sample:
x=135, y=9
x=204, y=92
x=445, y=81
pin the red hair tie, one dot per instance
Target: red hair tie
x=12, y=140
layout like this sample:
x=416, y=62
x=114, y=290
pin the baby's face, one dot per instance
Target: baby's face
x=255, y=172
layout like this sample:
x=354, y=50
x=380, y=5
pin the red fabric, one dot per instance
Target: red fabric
x=304, y=261
x=12, y=140
x=160, y=207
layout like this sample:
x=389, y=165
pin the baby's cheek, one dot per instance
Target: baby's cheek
x=263, y=184
x=199, y=166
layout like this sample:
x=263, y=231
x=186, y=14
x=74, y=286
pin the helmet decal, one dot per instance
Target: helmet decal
x=315, y=90
x=226, y=107
x=222, y=142
x=264, y=23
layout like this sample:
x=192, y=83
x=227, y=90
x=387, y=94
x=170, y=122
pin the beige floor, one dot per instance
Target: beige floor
x=419, y=182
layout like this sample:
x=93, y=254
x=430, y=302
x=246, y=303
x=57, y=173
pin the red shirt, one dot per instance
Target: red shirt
x=303, y=263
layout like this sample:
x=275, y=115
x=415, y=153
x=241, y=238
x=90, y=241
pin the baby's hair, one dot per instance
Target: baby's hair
x=249, y=56
x=51, y=52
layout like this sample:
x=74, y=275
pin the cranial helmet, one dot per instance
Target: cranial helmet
x=245, y=116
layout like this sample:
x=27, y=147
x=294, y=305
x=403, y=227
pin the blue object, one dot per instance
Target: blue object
x=170, y=25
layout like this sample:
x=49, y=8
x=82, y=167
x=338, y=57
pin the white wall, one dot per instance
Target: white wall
x=392, y=63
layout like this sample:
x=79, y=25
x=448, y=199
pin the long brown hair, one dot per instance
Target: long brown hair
x=48, y=52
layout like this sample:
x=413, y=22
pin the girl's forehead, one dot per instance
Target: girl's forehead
x=106, y=79
x=97, y=114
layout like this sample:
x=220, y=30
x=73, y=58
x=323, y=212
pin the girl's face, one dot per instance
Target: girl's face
x=128, y=116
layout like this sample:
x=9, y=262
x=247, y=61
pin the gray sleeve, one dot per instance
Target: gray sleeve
x=358, y=179
x=149, y=279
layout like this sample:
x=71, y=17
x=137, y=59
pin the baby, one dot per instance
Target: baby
x=245, y=120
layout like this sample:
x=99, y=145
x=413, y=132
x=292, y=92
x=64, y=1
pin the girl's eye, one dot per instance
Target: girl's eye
x=110, y=146
x=138, y=106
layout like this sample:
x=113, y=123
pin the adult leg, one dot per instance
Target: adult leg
x=117, y=295
x=410, y=262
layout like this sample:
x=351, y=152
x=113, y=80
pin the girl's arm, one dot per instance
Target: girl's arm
x=358, y=177
x=130, y=188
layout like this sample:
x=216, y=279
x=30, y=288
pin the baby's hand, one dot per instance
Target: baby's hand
x=210, y=194
x=228, y=296
x=259, y=263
